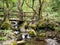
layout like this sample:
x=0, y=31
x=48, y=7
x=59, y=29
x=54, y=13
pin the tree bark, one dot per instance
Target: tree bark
x=20, y=14
x=7, y=10
x=40, y=9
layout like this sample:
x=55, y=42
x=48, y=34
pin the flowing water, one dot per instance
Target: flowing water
x=48, y=42
x=51, y=41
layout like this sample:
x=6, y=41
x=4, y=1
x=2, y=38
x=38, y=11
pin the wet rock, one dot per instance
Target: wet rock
x=50, y=34
x=58, y=40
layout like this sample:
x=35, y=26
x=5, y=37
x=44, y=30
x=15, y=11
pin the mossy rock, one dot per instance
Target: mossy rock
x=33, y=26
x=6, y=25
x=32, y=33
x=14, y=43
x=42, y=24
x=42, y=35
x=24, y=24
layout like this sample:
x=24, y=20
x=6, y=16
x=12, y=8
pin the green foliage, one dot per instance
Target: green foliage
x=4, y=33
x=6, y=25
x=0, y=23
x=3, y=38
x=1, y=4
x=57, y=29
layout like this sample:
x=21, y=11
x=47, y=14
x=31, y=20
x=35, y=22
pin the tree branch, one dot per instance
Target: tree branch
x=32, y=8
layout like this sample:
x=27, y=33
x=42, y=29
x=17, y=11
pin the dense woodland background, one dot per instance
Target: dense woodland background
x=44, y=15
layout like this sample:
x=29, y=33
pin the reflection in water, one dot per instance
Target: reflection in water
x=51, y=42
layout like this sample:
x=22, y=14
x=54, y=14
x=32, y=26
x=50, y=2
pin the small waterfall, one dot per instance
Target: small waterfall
x=51, y=42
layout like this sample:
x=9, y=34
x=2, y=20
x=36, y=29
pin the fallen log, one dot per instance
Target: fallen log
x=21, y=42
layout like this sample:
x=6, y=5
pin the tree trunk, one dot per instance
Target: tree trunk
x=7, y=10
x=20, y=14
x=40, y=10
